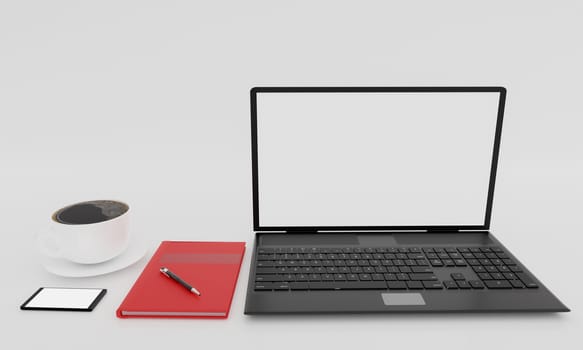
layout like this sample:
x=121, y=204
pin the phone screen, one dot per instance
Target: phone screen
x=64, y=299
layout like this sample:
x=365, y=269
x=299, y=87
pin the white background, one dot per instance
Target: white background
x=148, y=101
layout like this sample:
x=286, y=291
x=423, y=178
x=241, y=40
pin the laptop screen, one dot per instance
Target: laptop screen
x=371, y=158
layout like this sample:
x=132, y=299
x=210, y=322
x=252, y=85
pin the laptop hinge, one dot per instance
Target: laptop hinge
x=442, y=230
x=301, y=230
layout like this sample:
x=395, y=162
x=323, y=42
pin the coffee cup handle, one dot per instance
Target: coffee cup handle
x=47, y=244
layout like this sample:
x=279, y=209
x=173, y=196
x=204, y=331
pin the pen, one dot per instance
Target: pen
x=171, y=275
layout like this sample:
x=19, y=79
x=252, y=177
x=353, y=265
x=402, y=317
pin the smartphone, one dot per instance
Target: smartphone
x=64, y=299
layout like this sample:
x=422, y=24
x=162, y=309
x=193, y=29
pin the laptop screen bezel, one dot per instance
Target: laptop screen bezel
x=493, y=167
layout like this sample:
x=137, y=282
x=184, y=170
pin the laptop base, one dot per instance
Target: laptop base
x=388, y=300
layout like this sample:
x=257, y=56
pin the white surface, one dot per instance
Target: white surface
x=66, y=268
x=148, y=101
x=374, y=159
x=64, y=298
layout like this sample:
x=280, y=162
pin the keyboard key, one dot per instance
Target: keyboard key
x=377, y=277
x=498, y=284
x=496, y=262
x=266, y=257
x=528, y=282
x=448, y=262
x=362, y=285
x=323, y=285
x=390, y=276
x=417, y=269
x=476, y=284
x=517, y=284
x=432, y=285
x=414, y=284
x=327, y=277
x=397, y=285
x=458, y=276
x=473, y=262
x=463, y=284
x=364, y=277
x=435, y=262
x=281, y=286
x=460, y=262
x=266, y=271
x=422, y=277
x=352, y=277
x=263, y=286
x=314, y=277
x=380, y=269
x=298, y=285
x=302, y=277
x=422, y=262
x=450, y=284
x=508, y=262
x=497, y=276
x=268, y=278
x=402, y=277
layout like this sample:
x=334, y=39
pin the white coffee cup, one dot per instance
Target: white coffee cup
x=87, y=232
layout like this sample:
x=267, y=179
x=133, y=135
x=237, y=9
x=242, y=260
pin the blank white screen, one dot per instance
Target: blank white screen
x=64, y=298
x=374, y=159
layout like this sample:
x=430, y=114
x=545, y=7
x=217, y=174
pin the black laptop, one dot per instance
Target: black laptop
x=379, y=199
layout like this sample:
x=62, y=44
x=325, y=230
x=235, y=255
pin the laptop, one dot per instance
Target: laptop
x=379, y=200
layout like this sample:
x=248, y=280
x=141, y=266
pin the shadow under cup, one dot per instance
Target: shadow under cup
x=91, y=232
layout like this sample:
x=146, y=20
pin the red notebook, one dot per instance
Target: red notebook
x=210, y=267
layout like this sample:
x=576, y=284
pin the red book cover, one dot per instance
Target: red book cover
x=210, y=267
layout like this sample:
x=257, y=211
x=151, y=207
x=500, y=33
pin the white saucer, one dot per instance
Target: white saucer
x=66, y=268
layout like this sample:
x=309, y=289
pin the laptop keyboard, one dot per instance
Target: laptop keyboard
x=411, y=268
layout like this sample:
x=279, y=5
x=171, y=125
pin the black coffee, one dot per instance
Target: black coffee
x=90, y=212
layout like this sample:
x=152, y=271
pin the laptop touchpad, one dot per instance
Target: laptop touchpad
x=391, y=299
